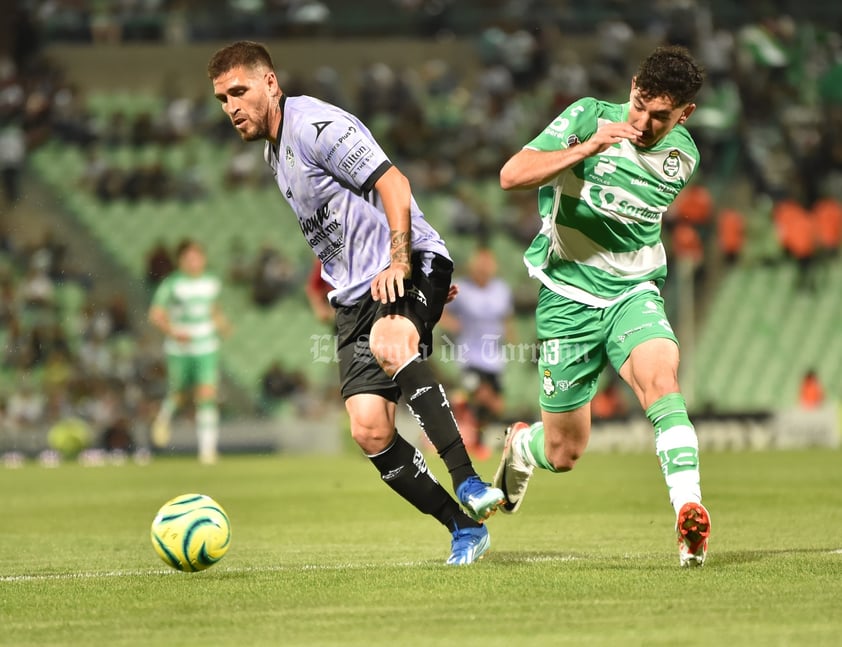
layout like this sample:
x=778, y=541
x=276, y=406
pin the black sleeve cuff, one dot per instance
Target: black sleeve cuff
x=376, y=175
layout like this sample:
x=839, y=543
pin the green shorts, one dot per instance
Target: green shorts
x=578, y=340
x=189, y=371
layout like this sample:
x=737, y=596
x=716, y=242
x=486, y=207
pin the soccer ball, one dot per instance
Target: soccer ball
x=191, y=532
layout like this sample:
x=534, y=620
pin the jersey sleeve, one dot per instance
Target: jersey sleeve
x=576, y=124
x=346, y=149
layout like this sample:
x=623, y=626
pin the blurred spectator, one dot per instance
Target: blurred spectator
x=117, y=436
x=37, y=289
x=796, y=234
x=106, y=26
x=827, y=214
x=811, y=392
x=480, y=317
x=273, y=276
x=694, y=205
x=240, y=266
x=277, y=385
x=159, y=263
x=687, y=244
x=245, y=168
x=317, y=290
x=12, y=157
x=609, y=403
x=730, y=227
x=9, y=304
x=119, y=318
x=25, y=407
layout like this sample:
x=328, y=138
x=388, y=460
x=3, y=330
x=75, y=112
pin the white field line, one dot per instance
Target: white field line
x=41, y=577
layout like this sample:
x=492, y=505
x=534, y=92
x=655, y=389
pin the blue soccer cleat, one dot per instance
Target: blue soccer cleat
x=479, y=498
x=469, y=545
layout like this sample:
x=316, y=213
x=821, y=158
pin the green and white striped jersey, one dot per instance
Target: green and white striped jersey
x=189, y=302
x=601, y=235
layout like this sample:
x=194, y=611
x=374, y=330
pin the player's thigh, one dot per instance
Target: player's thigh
x=572, y=352
x=652, y=370
x=178, y=373
x=425, y=295
x=632, y=322
x=394, y=339
x=642, y=346
x=206, y=375
x=359, y=371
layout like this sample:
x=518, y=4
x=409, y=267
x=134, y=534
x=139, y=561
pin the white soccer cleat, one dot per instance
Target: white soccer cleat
x=512, y=475
x=692, y=528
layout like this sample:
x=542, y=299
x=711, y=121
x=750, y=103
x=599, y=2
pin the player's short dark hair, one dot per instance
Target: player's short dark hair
x=670, y=71
x=187, y=243
x=245, y=53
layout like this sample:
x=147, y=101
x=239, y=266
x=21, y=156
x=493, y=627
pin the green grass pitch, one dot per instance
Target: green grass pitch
x=323, y=553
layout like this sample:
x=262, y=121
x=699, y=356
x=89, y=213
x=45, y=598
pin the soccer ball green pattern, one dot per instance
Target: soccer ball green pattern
x=191, y=532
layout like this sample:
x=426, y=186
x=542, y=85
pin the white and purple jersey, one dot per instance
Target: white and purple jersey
x=482, y=312
x=326, y=164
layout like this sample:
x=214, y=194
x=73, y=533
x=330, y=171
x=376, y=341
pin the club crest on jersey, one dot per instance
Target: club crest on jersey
x=672, y=163
x=290, y=157
x=549, y=385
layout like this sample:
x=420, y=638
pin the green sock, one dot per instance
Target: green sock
x=531, y=447
x=677, y=448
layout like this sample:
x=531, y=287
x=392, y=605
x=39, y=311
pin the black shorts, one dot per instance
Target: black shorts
x=424, y=297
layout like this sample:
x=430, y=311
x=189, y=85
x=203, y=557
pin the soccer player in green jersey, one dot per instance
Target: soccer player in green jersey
x=606, y=174
x=185, y=308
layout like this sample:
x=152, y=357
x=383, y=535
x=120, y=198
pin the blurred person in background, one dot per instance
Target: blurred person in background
x=185, y=309
x=606, y=174
x=390, y=272
x=317, y=290
x=811, y=391
x=481, y=320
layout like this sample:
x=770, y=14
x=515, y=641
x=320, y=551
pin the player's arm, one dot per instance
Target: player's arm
x=572, y=137
x=159, y=318
x=530, y=168
x=396, y=197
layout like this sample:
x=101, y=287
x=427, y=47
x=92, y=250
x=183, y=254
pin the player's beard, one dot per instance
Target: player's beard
x=259, y=131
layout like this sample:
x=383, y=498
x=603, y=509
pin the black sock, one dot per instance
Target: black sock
x=428, y=402
x=404, y=469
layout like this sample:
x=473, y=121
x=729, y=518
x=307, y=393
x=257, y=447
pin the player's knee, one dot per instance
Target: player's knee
x=371, y=436
x=563, y=459
x=659, y=385
x=392, y=344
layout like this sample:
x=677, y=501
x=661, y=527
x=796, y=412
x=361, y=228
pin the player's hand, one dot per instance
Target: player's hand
x=452, y=292
x=388, y=285
x=181, y=336
x=609, y=134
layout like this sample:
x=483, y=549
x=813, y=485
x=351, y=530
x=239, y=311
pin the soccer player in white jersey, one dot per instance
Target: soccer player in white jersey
x=390, y=273
x=185, y=308
x=606, y=174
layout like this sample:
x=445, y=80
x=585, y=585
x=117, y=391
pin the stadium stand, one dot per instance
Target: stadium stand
x=758, y=330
